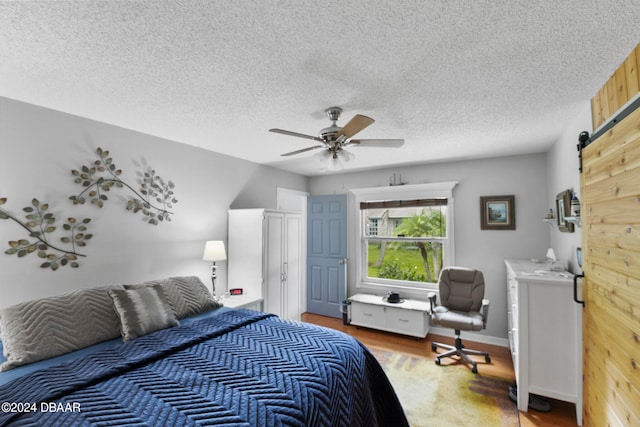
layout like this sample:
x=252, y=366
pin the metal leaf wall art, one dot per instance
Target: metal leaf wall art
x=40, y=224
x=153, y=199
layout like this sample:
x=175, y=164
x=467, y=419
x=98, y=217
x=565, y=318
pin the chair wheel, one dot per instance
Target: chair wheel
x=474, y=370
x=487, y=358
x=434, y=347
x=437, y=361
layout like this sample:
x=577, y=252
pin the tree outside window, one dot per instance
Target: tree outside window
x=409, y=240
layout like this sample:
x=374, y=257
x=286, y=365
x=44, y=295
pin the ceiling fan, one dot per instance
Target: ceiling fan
x=334, y=138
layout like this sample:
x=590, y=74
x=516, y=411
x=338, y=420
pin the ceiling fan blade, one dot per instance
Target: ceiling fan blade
x=376, y=142
x=291, y=153
x=355, y=125
x=299, y=135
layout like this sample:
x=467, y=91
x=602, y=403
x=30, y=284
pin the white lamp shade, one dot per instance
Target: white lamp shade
x=214, y=251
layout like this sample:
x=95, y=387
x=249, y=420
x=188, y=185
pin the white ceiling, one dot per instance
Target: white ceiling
x=455, y=79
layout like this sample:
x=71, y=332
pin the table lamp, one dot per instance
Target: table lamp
x=214, y=251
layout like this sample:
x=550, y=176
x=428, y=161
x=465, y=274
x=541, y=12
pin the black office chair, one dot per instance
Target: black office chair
x=462, y=307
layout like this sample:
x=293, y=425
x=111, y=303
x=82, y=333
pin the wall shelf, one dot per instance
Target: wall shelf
x=574, y=220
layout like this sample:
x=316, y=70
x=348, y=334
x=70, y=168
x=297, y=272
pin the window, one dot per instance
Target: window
x=404, y=241
x=372, y=226
x=408, y=239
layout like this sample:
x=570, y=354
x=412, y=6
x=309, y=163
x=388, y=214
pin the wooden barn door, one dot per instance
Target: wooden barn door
x=610, y=192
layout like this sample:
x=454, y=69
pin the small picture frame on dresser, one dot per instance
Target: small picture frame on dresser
x=563, y=206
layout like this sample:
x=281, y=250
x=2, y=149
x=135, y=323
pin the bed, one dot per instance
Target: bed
x=211, y=366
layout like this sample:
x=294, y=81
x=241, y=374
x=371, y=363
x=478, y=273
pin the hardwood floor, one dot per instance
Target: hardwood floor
x=562, y=414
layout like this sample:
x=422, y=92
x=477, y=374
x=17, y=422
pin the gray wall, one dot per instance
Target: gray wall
x=524, y=176
x=563, y=164
x=38, y=149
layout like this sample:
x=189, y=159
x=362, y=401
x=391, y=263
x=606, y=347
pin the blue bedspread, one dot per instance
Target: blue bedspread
x=238, y=368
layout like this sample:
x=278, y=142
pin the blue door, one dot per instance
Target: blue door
x=326, y=254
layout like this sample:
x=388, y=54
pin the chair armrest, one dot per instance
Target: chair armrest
x=484, y=310
x=432, y=300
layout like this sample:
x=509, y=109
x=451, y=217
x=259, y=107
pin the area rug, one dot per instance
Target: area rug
x=447, y=396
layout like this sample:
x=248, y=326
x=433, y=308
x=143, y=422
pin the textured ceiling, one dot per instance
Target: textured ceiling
x=455, y=79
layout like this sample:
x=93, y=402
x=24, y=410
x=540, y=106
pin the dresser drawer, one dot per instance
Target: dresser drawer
x=368, y=315
x=408, y=322
x=512, y=286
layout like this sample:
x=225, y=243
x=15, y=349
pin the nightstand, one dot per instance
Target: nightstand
x=243, y=301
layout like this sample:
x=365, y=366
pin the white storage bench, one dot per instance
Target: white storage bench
x=409, y=317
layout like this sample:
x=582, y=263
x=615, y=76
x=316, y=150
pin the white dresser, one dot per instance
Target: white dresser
x=545, y=333
x=410, y=317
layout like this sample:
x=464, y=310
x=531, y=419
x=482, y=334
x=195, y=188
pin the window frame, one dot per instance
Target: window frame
x=371, y=226
x=404, y=192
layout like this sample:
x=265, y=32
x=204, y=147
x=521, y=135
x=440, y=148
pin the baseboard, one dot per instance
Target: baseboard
x=471, y=336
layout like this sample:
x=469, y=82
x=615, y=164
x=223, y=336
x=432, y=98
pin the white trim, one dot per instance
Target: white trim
x=404, y=192
x=407, y=192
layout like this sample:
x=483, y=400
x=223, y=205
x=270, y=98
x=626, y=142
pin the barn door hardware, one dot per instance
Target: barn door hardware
x=582, y=143
x=575, y=288
x=584, y=137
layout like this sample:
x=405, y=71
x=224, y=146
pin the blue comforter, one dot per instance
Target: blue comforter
x=238, y=368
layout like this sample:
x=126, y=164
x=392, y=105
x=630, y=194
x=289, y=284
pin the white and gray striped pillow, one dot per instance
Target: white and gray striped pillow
x=142, y=310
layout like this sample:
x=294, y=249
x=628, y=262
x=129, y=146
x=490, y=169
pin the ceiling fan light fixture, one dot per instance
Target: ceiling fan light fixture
x=330, y=160
x=347, y=155
x=335, y=164
x=322, y=157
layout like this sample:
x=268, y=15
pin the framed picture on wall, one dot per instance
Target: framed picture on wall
x=497, y=212
x=563, y=206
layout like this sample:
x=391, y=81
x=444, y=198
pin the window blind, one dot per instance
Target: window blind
x=387, y=204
